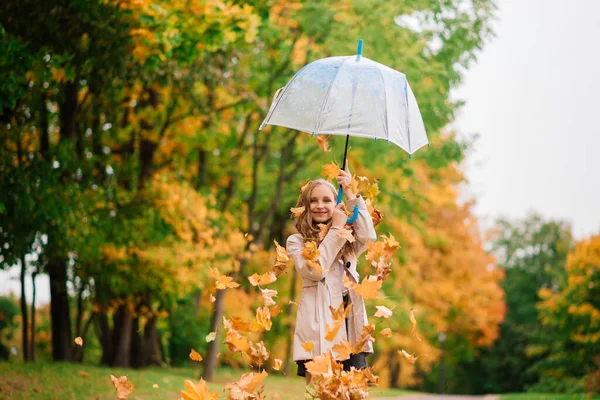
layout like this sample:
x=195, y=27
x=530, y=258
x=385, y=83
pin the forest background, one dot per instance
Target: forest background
x=131, y=161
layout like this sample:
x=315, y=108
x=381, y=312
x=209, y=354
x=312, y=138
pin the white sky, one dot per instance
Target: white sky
x=534, y=98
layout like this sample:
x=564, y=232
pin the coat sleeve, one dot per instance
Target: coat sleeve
x=329, y=249
x=364, y=231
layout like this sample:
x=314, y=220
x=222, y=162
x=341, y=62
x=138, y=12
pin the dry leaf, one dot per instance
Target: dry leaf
x=262, y=321
x=383, y=311
x=330, y=171
x=282, y=255
x=311, y=251
x=211, y=336
x=279, y=268
x=297, y=211
x=376, y=216
x=268, y=295
x=346, y=234
x=275, y=311
x=343, y=350
x=78, y=341
x=195, y=356
x=83, y=373
x=264, y=279
x=308, y=346
x=411, y=359
x=413, y=320
x=123, y=386
x=212, y=298
x=236, y=342
x=364, y=338
x=387, y=332
x=258, y=353
x=332, y=330
x=323, y=144
x=222, y=281
x=246, y=386
x=277, y=364
x=155, y=386
x=316, y=266
x=323, y=231
x=198, y=391
x=369, y=287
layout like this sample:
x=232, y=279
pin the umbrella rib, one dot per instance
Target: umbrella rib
x=273, y=108
x=317, y=125
x=385, y=109
x=406, y=119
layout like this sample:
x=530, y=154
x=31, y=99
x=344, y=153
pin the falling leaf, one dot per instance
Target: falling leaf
x=123, y=386
x=308, y=346
x=413, y=320
x=323, y=144
x=330, y=171
x=197, y=391
x=263, y=319
x=245, y=387
x=195, y=356
x=222, y=281
x=364, y=338
x=311, y=251
x=277, y=364
x=343, y=350
x=282, y=255
x=257, y=353
x=411, y=359
x=316, y=266
x=275, y=311
x=297, y=211
x=387, y=332
x=390, y=244
x=212, y=298
x=236, y=342
x=383, y=311
x=264, y=279
x=155, y=386
x=368, y=288
x=323, y=231
x=332, y=330
x=268, y=295
x=79, y=341
x=83, y=373
x=376, y=216
x=211, y=337
x=279, y=268
x=346, y=234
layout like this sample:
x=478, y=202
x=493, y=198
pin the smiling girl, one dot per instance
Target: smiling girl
x=324, y=288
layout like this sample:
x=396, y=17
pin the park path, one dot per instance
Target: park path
x=440, y=397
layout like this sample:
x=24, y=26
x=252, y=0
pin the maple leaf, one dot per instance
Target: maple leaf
x=258, y=353
x=275, y=311
x=236, y=342
x=411, y=359
x=268, y=295
x=277, y=363
x=368, y=288
x=316, y=266
x=390, y=244
x=279, y=268
x=245, y=387
x=330, y=171
x=197, y=391
x=123, y=386
x=282, y=255
x=376, y=216
x=332, y=330
x=222, y=281
x=321, y=365
x=264, y=279
x=308, y=345
x=346, y=234
x=323, y=231
x=413, y=320
x=263, y=320
x=343, y=350
x=211, y=337
x=195, y=356
x=364, y=338
x=236, y=323
x=311, y=251
x=323, y=144
x=387, y=332
x=78, y=341
x=383, y=311
x=297, y=211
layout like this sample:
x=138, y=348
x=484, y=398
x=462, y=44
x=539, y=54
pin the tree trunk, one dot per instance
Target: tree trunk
x=289, y=353
x=151, y=345
x=78, y=351
x=136, y=357
x=68, y=109
x=25, y=319
x=105, y=339
x=123, y=322
x=210, y=363
x=32, y=338
x=59, y=311
x=394, y=369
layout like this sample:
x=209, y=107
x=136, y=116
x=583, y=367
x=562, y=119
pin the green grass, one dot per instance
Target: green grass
x=51, y=381
x=548, y=396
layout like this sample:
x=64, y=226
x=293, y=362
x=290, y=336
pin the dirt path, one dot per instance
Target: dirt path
x=440, y=397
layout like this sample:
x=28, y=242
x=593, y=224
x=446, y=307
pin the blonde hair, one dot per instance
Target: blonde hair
x=304, y=223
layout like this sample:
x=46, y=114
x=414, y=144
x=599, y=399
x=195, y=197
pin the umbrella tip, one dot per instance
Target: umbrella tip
x=428, y=145
x=359, y=50
x=410, y=156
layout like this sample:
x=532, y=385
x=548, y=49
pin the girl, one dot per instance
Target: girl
x=321, y=289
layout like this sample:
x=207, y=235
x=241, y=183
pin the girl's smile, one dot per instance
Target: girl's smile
x=322, y=204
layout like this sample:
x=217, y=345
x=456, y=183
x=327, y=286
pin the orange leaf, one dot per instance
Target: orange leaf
x=343, y=350
x=197, y=391
x=79, y=341
x=346, y=234
x=368, y=288
x=222, y=281
x=83, y=374
x=297, y=211
x=264, y=279
x=387, y=332
x=411, y=359
x=315, y=265
x=330, y=171
x=123, y=386
x=308, y=346
x=323, y=231
x=311, y=251
x=383, y=311
x=277, y=364
x=282, y=255
x=322, y=140
x=275, y=311
x=195, y=356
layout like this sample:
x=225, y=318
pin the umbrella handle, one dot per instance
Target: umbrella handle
x=354, y=212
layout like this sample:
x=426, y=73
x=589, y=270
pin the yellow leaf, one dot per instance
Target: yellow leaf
x=315, y=265
x=263, y=318
x=212, y=298
x=343, y=350
x=387, y=332
x=311, y=251
x=79, y=341
x=297, y=211
x=195, y=356
x=368, y=288
x=275, y=311
x=277, y=364
x=383, y=311
x=322, y=140
x=414, y=323
x=268, y=295
x=245, y=387
x=222, y=281
x=83, y=374
x=330, y=171
x=332, y=330
x=236, y=342
x=155, y=386
x=411, y=359
x=123, y=387
x=308, y=346
x=282, y=255
x=264, y=279
x=211, y=337
x=346, y=234
x=323, y=231
x=198, y=391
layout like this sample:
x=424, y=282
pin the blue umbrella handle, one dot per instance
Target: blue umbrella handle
x=354, y=212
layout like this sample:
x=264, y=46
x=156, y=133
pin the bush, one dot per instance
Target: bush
x=8, y=313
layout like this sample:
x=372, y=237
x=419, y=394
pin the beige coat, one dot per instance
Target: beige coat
x=319, y=291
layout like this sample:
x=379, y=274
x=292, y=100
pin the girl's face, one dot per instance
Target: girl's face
x=322, y=204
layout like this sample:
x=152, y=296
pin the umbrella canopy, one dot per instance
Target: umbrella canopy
x=350, y=96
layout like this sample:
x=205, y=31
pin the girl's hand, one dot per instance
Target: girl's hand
x=345, y=180
x=339, y=217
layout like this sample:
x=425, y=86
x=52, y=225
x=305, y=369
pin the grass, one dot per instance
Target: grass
x=548, y=396
x=49, y=381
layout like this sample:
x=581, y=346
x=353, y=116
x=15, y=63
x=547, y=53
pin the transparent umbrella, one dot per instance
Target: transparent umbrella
x=350, y=96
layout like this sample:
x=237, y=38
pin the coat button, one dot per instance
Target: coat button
x=348, y=264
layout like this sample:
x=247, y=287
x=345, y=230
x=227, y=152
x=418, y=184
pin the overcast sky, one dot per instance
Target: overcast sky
x=534, y=98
